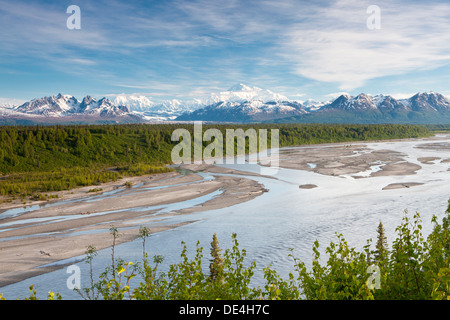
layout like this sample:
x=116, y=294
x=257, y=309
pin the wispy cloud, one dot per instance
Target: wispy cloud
x=336, y=46
x=334, y=95
x=402, y=95
x=11, y=101
x=187, y=47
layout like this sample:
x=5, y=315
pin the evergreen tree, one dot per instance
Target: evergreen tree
x=216, y=265
x=381, y=246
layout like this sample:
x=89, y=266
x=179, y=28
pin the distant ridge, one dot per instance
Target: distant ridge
x=422, y=108
x=238, y=104
x=67, y=109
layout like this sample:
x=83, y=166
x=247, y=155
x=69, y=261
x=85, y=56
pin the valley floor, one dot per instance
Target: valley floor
x=34, y=237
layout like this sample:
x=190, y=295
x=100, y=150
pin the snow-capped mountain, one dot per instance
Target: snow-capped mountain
x=253, y=110
x=362, y=102
x=102, y=107
x=427, y=107
x=49, y=106
x=242, y=93
x=9, y=104
x=137, y=103
x=171, y=109
x=421, y=108
x=420, y=102
x=388, y=104
x=431, y=101
x=150, y=110
x=313, y=105
x=66, y=105
x=240, y=103
x=68, y=109
x=244, y=103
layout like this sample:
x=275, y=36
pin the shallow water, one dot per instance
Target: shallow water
x=285, y=217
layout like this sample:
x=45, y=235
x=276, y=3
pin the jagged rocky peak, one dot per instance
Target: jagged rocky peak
x=88, y=100
x=62, y=105
x=429, y=101
x=364, y=97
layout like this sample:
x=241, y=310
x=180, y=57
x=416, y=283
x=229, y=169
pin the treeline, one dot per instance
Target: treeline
x=37, y=159
x=439, y=127
x=295, y=134
x=25, y=149
x=54, y=158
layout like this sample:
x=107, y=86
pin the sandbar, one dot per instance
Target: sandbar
x=347, y=159
x=401, y=185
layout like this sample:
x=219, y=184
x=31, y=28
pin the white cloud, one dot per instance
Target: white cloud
x=298, y=95
x=181, y=46
x=82, y=61
x=334, y=95
x=11, y=102
x=400, y=95
x=336, y=46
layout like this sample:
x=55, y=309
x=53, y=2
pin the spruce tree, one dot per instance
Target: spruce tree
x=381, y=246
x=216, y=264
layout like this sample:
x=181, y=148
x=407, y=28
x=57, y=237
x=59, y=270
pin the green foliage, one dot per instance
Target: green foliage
x=407, y=276
x=441, y=285
x=216, y=265
x=343, y=277
x=54, y=158
x=415, y=268
x=92, y=292
x=381, y=246
x=40, y=159
x=33, y=295
x=187, y=281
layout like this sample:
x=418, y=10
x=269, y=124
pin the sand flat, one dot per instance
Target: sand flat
x=347, y=159
x=54, y=233
x=428, y=160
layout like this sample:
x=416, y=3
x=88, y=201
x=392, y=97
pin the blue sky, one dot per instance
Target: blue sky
x=186, y=49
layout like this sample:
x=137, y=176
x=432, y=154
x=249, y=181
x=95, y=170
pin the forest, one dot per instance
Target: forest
x=44, y=159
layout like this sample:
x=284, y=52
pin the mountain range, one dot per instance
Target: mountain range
x=240, y=103
x=421, y=108
x=67, y=109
